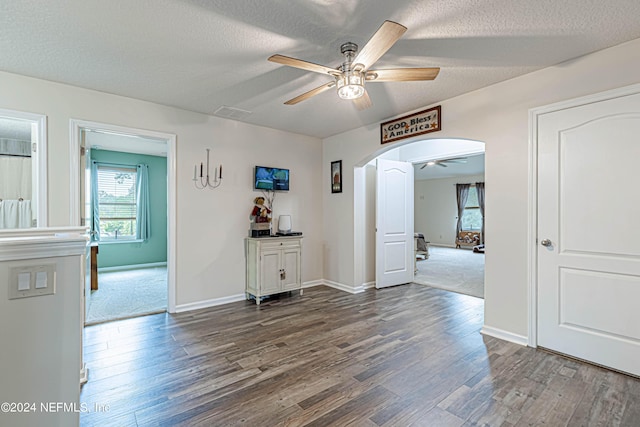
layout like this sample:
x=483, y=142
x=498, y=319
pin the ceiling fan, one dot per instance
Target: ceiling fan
x=443, y=163
x=350, y=77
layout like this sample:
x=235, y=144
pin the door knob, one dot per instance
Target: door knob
x=545, y=242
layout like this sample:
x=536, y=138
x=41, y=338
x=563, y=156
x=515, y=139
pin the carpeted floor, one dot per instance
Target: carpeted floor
x=129, y=293
x=457, y=270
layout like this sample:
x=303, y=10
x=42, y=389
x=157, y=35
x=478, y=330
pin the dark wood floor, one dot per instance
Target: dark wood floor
x=408, y=355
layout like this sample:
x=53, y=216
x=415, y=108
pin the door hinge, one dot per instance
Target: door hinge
x=34, y=147
x=82, y=151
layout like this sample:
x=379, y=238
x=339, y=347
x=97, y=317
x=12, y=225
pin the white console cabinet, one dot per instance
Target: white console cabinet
x=273, y=265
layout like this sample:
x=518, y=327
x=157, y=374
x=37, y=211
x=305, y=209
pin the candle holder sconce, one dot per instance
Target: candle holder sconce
x=202, y=181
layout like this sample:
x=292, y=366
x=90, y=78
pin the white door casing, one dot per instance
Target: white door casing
x=394, y=223
x=76, y=129
x=588, y=275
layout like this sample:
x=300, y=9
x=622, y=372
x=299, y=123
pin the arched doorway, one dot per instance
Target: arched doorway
x=414, y=151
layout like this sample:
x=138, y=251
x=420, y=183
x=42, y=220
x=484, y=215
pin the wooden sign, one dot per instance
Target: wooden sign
x=414, y=124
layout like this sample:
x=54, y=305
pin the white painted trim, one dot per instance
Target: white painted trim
x=532, y=232
x=368, y=285
x=74, y=172
x=209, y=303
x=442, y=245
x=39, y=232
x=359, y=226
x=172, y=240
x=30, y=246
x=120, y=241
x=504, y=335
x=343, y=287
x=131, y=267
x=233, y=298
x=74, y=177
x=312, y=283
x=41, y=156
x=532, y=244
x=43, y=179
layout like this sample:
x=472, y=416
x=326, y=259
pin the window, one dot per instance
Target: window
x=472, y=218
x=117, y=202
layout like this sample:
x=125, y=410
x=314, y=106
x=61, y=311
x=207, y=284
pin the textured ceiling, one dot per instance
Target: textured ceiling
x=200, y=55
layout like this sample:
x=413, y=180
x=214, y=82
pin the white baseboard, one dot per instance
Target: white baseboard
x=442, y=245
x=209, y=303
x=131, y=267
x=241, y=297
x=343, y=287
x=504, y=335
x=368, y=285
x=312, y=283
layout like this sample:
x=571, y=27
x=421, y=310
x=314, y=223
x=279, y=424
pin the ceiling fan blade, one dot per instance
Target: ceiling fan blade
x=442, y=164
x=423, y=166
x=403, y=75
x=305, y=65
x=363, y=102
x=311, y=93
x=388, y=33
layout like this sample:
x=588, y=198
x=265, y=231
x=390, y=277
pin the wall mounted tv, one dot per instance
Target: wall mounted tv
x=266, y=178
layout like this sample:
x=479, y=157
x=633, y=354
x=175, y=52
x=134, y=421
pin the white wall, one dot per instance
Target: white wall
x=498, y=116
x=436, y=208
x=211, y=225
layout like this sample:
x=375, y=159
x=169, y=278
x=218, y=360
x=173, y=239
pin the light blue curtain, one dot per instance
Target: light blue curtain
x=143, y=229
x=95, y=212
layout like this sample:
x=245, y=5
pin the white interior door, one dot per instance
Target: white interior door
x=394, y=223
x=588, y=235
x=86, y=215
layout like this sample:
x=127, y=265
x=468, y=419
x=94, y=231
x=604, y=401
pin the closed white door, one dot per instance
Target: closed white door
x=589, y=232
x=394, y=223
x=291, y=268
x=270, y=266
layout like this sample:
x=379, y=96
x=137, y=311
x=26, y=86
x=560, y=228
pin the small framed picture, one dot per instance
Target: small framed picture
x=336, y=176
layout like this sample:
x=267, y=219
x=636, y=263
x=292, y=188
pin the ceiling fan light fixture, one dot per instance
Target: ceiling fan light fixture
x=431, y=163
x=350, y=84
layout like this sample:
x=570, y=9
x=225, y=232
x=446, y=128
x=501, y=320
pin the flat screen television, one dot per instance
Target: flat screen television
x=266, y=178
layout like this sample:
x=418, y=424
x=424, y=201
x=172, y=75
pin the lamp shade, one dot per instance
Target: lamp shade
x=284, y=223
x=350, y=85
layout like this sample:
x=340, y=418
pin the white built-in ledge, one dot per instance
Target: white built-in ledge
x=42, y=331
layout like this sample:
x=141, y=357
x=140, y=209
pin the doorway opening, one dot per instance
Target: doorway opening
x=124, y=194
x=443, y=265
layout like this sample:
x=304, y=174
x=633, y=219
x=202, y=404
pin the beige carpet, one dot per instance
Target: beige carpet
x=129, y=293
x=457, y=270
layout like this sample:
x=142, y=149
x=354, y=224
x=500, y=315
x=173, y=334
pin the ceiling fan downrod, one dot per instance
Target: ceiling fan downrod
x=350, y=83
x=349, y=50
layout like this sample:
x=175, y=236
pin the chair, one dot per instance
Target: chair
x=420, y=247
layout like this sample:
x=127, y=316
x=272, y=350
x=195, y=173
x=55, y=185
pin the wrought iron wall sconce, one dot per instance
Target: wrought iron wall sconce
x=202, y=181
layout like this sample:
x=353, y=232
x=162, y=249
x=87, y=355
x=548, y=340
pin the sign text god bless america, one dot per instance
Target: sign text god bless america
x=414, y=124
